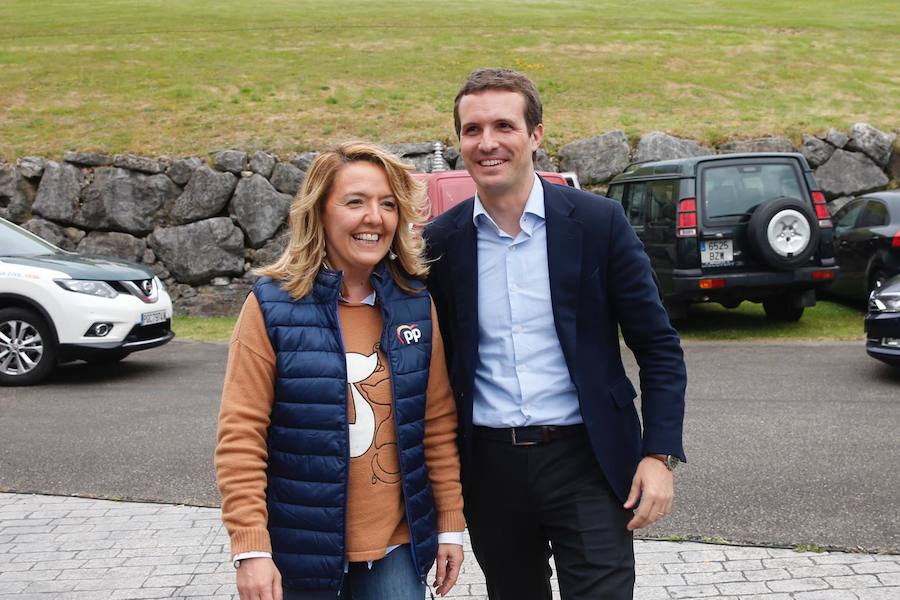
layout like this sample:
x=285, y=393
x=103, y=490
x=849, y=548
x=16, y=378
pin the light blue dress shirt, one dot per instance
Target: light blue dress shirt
x=521, y=376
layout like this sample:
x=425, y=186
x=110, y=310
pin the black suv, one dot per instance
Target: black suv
x=732, y=227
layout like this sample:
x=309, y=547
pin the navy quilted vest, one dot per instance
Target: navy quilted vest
x=308, y=438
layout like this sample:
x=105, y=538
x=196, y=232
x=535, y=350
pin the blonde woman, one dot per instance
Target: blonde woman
x=337, y=459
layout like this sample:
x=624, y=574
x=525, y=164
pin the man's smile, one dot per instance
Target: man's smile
x=493, y=162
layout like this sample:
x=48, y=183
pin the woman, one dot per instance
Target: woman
x=337, y=420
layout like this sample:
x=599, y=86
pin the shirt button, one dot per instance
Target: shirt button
x=517, y=329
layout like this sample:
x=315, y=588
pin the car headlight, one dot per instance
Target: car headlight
x=884, y=303
x=87, y=286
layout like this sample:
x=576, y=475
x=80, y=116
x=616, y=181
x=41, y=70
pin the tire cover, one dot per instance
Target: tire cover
x=783, y=232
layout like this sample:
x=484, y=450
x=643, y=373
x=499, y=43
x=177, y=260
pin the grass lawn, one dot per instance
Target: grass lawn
x=203, y=329
x=827, y=320
x=163, y=77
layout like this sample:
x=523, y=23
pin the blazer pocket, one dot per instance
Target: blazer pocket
x=622, y=392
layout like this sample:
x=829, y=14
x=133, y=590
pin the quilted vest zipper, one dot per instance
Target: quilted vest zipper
x=340, y=339
x=386, y=344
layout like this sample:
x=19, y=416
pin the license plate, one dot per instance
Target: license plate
x=150, y=318
x=714, y=253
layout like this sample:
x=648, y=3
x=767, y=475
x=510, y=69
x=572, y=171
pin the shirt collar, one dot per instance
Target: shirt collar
x=368, y=300
x=533, y=206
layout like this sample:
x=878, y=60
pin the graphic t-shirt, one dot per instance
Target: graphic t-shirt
x=375, y=519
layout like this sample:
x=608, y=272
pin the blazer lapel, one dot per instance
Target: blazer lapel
x=564, y=261
x=463, y=246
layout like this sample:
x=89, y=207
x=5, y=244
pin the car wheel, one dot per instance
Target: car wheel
x=780, y=308
x=783, y=232
x=677, y=310
x=27, y=348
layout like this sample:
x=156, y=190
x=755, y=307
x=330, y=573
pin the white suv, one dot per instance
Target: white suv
x=58, y=306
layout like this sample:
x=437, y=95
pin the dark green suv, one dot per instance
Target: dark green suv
x=732, y=227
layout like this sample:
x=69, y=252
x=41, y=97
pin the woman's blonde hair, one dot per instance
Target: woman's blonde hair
x=299, y=264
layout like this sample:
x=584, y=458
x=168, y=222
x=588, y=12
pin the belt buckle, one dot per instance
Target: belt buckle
x=516, y=442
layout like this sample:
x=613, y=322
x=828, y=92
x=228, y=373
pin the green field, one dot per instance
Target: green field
x=203, y=329
x=169, y=77
x=826, y=320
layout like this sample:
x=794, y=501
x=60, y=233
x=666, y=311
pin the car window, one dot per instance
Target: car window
x=616, y=192
x=662, y=202
x=734, y=190
x=635, y=204
x=875, y=214
x=845, y=218
x=15, y=241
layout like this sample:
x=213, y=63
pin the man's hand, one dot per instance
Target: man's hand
x=259, y=579
x=449, y=562
x=653, y=484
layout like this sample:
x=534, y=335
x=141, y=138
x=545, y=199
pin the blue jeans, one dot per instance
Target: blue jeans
x=390, y=578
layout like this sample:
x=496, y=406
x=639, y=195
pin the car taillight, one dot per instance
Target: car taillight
x=710, y=284
x=687, y=217
x=822, y=213
x=822, y=275
x=895, y=243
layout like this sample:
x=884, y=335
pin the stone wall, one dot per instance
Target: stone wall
x=202, y=226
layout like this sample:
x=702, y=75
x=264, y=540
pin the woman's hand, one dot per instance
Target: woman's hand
x=259, y=579
x=449, y=562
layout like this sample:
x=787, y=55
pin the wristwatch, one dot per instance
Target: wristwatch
x=670, y=460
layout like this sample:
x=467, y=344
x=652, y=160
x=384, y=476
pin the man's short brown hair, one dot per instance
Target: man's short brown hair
x=482, y=80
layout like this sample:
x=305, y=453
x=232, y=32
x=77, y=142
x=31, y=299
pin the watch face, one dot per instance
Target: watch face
x=672, y=462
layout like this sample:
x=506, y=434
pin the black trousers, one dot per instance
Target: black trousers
x=526, y=502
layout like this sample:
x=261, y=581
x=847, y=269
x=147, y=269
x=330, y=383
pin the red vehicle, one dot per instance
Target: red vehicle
x=446, y=189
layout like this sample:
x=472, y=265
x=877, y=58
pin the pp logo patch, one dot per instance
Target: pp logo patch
x=409, y=334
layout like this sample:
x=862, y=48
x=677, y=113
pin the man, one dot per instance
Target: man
x=531, y=283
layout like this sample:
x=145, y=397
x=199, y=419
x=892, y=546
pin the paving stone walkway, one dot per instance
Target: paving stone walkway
x=54, y=547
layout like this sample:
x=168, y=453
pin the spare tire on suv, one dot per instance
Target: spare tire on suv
x=783, y=232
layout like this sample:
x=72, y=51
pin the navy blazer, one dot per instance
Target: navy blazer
x=600, y=280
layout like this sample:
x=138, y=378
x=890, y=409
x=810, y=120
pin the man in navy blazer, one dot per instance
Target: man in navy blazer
x=532, y=282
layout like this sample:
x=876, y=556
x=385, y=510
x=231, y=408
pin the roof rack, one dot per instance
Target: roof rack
x=639, y=162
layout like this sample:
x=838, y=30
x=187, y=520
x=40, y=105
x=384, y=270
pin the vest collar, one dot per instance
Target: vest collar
x=330, y=281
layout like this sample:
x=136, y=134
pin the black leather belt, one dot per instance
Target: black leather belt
x=529, y=436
